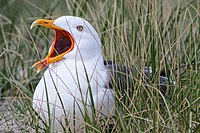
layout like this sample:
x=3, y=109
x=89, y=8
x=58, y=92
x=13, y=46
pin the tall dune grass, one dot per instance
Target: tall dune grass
x=163, y=35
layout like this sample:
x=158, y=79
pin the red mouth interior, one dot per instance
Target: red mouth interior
x=61, y=44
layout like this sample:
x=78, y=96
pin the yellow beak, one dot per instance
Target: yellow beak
x=58, y=50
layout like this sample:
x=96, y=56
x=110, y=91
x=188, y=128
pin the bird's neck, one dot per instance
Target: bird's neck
x=78, y=70
x=95, y=63
x=96, y=60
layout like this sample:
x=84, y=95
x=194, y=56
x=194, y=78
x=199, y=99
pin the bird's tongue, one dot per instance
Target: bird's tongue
x=63, y=43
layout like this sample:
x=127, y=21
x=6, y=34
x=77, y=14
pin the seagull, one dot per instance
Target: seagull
x=77, y=80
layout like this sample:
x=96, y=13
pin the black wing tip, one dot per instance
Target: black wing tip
x=119, y=70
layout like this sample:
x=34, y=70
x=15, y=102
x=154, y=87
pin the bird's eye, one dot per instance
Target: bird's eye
x=79, y=28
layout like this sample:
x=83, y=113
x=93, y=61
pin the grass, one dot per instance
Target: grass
x=163, y=35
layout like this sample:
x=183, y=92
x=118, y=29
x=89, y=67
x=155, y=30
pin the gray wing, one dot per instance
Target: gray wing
x=120, y=72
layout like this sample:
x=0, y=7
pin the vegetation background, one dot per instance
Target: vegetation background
x=162, y=34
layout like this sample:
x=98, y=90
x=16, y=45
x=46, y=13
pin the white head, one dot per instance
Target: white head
x=87, y=41
x=75, y=39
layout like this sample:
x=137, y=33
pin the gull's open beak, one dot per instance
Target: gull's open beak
x=63, y=44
